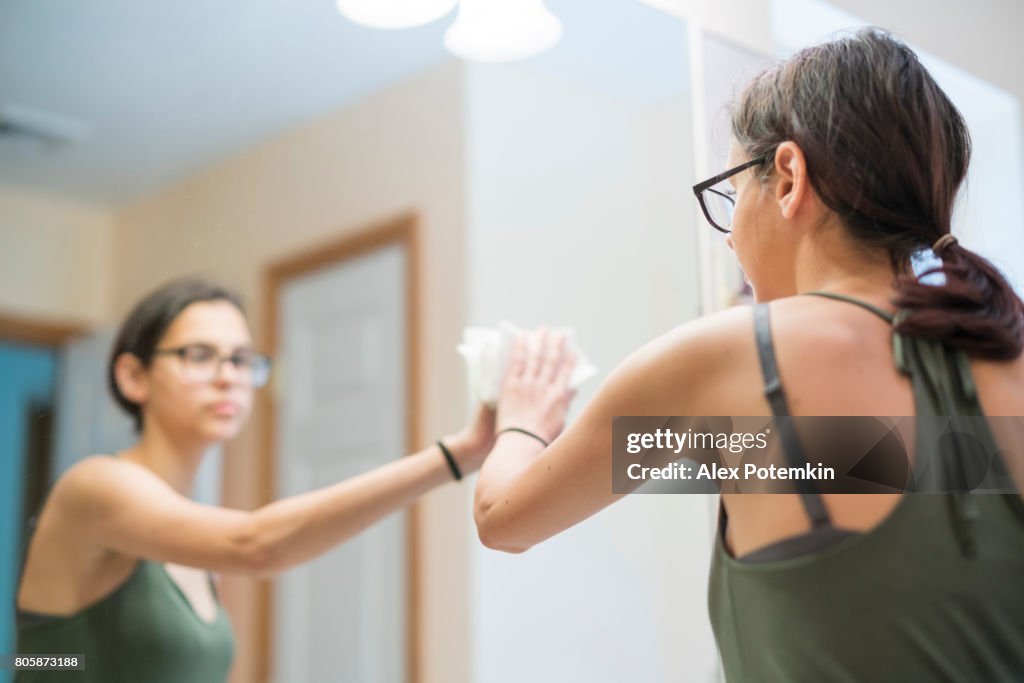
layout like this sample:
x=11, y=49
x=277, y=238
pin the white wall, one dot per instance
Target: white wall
x=745, y=22
x=55, y=257
x=990, y=209
x=579, y=214
x=981, y=37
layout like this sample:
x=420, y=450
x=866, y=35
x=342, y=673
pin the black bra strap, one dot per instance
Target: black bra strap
x=884, y=315
x=792, y=447
x=769, y=370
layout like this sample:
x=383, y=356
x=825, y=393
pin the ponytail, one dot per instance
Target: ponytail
x=976, y=310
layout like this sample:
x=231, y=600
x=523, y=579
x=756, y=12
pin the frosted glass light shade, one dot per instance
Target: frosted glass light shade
x=395, y=13
x=502, y=30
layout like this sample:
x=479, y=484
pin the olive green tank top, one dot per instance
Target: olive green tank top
x=144, y=631
x=933, y=593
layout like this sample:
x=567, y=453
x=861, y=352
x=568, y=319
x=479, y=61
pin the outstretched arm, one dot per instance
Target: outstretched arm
x=124, y=507
x=527, y=493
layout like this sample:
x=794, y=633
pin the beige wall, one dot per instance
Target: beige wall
x=400, y=149
x=55, y=258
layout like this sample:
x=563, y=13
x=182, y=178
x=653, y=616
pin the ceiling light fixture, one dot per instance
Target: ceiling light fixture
x=502, y=30
x=390, y=14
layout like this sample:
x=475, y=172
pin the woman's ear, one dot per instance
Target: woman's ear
x=793, y=186
x=131, y=378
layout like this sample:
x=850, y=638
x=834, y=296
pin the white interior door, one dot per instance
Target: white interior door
x=341, y=411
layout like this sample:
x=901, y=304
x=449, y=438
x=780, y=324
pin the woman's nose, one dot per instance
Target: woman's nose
x=728, y=240
x=229, y=376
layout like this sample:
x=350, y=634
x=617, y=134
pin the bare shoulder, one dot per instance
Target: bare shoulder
x=699, y=344
x=87, y=473
x=854, y=347
x=707, y=338
x=728, y=335
x=70, y=504
x=92, y=489
x=65, y=566
x=94, y=482
x=816, y=332
x=711, y=365
x=820, y=317
x=662, y=376
x=815, y=328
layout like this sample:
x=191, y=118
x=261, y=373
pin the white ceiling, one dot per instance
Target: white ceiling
x=168, y=88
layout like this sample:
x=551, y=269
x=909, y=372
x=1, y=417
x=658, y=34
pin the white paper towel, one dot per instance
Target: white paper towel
x=487, y=349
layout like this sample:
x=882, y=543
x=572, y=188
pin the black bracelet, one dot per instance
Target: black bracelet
x=451, y=461
x=523, y=431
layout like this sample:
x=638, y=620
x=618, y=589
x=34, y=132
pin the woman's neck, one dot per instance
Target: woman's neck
x=832, y=262
x=175, y=460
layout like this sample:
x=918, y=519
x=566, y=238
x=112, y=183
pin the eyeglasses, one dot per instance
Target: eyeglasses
x=719, y=203
x=201, y=363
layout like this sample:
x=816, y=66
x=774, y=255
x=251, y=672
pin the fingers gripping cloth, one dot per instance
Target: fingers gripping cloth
x=486, y=351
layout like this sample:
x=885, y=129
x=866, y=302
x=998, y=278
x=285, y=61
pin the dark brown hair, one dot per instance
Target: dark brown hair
x=887, y=151
x=145, y=326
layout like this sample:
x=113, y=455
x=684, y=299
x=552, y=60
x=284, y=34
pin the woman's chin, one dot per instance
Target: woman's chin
x=221, y=428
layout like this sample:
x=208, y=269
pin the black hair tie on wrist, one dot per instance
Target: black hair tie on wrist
x=451, y=461
x=523, y=431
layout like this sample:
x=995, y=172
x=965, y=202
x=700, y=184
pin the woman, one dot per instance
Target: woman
x=117, y=568
x=845, y=161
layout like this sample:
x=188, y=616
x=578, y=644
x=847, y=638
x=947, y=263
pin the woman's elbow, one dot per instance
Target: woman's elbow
x=261, y=566
x=492, y=535
x=255, y=553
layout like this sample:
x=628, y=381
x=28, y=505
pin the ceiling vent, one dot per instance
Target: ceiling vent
x=29, y=133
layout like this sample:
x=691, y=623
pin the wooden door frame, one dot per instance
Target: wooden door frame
x=402, y=230
x=25, y=330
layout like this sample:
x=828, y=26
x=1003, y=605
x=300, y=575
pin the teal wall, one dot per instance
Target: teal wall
x=27, y=376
